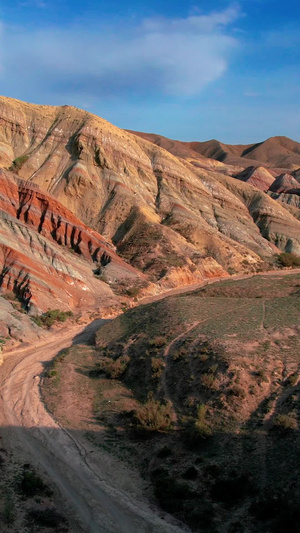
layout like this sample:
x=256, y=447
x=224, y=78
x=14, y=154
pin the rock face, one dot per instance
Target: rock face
x=16, y=327
x=175, y=219
x=287, y=184
x=47, y=256
x=259, y=177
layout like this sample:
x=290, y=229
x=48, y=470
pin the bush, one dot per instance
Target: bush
x=133, y=292
x=191, y=473
x=201, y=427
x=30, y=484
x=208, y=380
x=9, y=296
x=113, y=368
x=289, y=260
x=48, y=517
x=18, y=163
x=164, y=452
x=52, y=369
x=285, y=422
x=157, y=367
x=229, y=491
x=154, y=415
x=158, y=342
x=51, y=316
x=9, y=510
x=170, y=493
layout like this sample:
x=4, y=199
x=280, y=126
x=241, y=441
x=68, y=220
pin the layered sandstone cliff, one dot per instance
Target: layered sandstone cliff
x=47, y=256
x=172, y=219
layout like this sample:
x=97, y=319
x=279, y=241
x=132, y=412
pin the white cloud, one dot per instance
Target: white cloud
x=177, y=57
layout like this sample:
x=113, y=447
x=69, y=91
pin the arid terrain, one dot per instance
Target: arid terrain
x=199, y=394
x=87, y=206
x=157, y=275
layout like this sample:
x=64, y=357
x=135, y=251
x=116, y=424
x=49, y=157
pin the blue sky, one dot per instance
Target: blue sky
x=187, y=70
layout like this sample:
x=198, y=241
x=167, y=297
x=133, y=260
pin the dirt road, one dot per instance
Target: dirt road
x=79, y=474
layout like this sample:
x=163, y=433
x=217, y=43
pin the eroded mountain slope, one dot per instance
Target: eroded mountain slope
x=48, y=257
x=174, y=221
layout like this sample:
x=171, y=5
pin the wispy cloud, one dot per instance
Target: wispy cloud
x=176, y=57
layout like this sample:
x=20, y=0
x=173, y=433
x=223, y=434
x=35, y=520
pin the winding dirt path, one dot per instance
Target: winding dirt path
x=82, y=480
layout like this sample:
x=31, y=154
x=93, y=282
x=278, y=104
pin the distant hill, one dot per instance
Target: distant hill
x=278, y=152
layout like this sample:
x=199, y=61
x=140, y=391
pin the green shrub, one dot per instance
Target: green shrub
x=133, y=292
x=170, y=493
x=237, y=391
x=292, y=379
x=9, y=296
x=285, y=422
x=9, y=509
x=48, y=517
x=208, y=380
x=154, y=415
x=157, y=367
x=30, y=484
x=201, y=426
x=102, y=277
x=18, y=163
x=52, y=369
x=164, y=452
x=114, y=369
x=191, y=473
x=158, y=342
x=289, y=260
x=51, y=317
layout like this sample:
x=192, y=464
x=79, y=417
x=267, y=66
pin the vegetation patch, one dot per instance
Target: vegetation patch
x=30, y=484
x=289, y=260
x=154, y=416
x=51, y=317
x=18, y=163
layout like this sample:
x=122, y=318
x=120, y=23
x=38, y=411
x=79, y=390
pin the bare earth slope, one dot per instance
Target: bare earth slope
x=276, y=152
x=174, y=221
x=47, y=255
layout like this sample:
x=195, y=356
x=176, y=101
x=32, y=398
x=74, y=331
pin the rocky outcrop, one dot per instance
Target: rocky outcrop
x=16, y=327
x=285, y=183
x=258, y=177
x=47, y=256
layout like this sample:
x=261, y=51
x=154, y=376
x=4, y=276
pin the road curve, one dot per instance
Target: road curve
x=29, y=429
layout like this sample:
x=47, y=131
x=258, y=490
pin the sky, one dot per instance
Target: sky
x=192, y=70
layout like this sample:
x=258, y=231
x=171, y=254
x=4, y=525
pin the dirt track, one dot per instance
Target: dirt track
x=90, y=491
x=29, y=431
